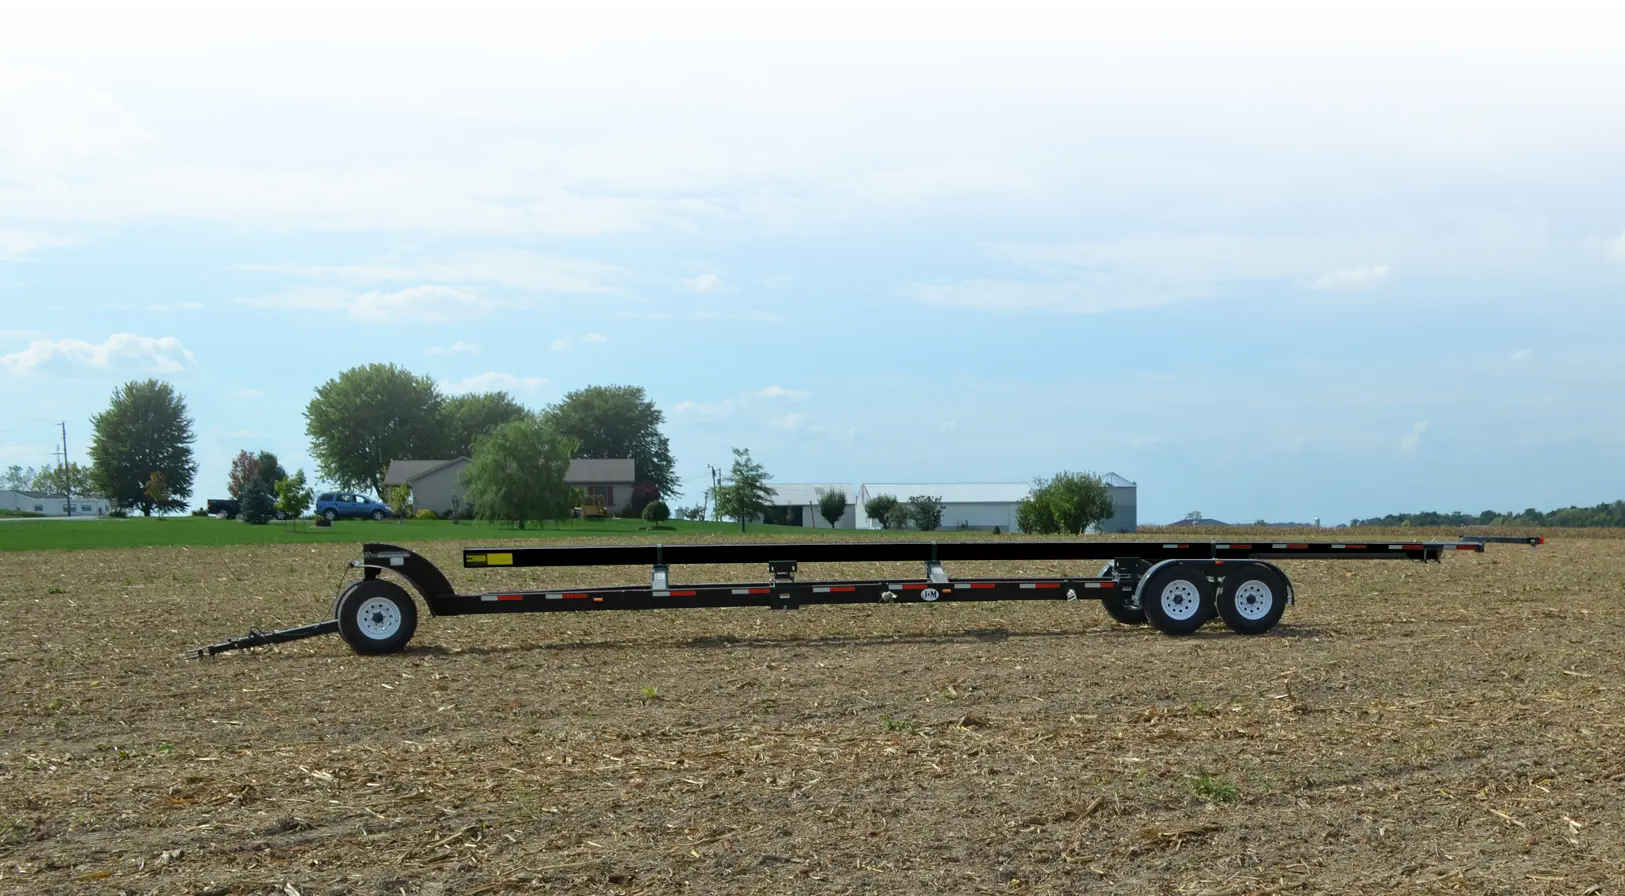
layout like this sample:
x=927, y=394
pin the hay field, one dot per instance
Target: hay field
x=1454, y=728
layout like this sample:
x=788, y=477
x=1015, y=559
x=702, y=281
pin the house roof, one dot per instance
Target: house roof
x=582, y=469
x=601, y=469
x=800, y=494
x=404, y=472
x=949, y=492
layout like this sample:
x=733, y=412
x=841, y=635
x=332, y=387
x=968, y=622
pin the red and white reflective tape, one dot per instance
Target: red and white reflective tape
x=753, y=591
x=826, y=589
x=502, y=597
x=674, y=593
x=1100, y=584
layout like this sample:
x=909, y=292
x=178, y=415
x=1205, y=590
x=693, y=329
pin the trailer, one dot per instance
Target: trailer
x=1175, y=587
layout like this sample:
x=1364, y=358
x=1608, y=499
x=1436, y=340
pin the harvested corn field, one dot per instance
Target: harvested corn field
x=1407, y=728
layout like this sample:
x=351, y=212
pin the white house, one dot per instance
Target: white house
x=53, y=505
x=985, y=505
x=971, y=505
x=797, y=504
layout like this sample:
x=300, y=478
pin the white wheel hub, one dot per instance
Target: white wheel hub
x=1253, y=600
x=1180, y=600
x=378, y=618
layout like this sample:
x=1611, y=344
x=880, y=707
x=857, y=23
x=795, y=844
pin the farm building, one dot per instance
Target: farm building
x=53, y=505
x=986, y=505
x=438, y=485
x=797, y=504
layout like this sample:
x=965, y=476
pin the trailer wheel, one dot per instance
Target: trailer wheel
x=1116, y=604
x=1253, y=600
x=1177, y=599
x=376, y=616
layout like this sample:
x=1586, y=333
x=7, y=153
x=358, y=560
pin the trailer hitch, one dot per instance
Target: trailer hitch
x=257, y=638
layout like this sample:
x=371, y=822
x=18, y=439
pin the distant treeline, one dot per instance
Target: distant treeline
x=1600, y=516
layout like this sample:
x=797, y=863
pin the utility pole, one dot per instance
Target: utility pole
x=67, y=469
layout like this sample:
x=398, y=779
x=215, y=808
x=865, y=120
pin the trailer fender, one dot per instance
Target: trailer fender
x=424, y=577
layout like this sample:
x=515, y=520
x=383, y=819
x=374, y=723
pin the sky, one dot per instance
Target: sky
x=1276, y=261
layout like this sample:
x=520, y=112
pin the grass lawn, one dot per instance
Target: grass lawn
x=66, y=535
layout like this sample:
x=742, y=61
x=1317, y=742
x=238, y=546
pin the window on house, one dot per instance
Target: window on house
x=602, y=495
x=39, y=508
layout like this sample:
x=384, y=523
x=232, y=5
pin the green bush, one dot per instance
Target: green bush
x=427, y=514
x=255, y=506
x=118, y=513
x=925, y=511
x=656, y=512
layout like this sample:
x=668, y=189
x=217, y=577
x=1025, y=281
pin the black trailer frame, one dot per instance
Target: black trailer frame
x=1176, y=587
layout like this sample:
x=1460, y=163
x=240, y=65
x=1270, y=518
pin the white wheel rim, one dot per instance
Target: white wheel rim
x=1180, y=600
x=1253, y=600
x=378, y=618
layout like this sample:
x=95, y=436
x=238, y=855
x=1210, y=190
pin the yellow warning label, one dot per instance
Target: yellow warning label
x=498, y=559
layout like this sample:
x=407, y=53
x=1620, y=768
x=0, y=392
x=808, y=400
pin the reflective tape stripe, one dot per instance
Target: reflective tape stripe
x=828, y=589
x=752, y=590
x=979, y=585
x=1100, y=584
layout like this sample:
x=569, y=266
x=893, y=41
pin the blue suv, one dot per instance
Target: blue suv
x=333, y=505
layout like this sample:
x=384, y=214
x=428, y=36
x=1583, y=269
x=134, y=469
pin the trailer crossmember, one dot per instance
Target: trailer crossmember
x=1176, y=587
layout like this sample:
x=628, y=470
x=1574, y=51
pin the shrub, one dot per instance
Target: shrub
x=200, y=511
x=642, y=495
x=256, y=507
x=426, y=514
x=926, y=512
x=879, y=508
x=118, y=513
x=656, y=512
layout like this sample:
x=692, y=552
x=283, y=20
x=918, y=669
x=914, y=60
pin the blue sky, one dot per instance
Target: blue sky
x=1267, y=261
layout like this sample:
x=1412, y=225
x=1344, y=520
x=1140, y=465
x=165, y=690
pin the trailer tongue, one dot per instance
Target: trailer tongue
x=1176, y=587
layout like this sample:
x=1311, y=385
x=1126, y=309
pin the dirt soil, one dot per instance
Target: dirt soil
x=1409, y=728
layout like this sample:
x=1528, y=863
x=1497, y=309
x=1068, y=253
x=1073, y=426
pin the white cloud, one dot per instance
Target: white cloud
x=1157, y=269
x=119, y=352
x=593, y=338
x=530, y=271
x=909, y=185
x=418, y=304
x=1522, y=354
x=53, y=124
x=429, y=304
x=1408, y=442
x=779, y=392
x=1352, y=278
x=790, y=422
x=15, y=245
x=493, y=381
x=458, y=347
x=561, y=345
x=704, y=283
x=705, y=410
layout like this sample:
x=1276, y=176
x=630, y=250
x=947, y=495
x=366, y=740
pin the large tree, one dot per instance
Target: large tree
x=1065, y=503
x=517, y=473
x=368, y=416
x=618, y=421
x=53, y=480
x=144, y=431
x=467, y=417
x=745, y=495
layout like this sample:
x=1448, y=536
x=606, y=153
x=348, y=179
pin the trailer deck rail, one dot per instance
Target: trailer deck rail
x=1174, y=586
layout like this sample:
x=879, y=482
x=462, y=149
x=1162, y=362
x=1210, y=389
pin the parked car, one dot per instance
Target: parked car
x=232, y=508
x=334, y=505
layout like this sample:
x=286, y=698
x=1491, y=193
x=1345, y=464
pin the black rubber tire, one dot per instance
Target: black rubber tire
x=376, y=616
x=1252, y=599
x=330, y=514
x=1165, y=596
x=1116, y=603
x=378, y=516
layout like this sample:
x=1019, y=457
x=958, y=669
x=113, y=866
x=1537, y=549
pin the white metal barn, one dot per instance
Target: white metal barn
x=971, y=505
x=801, y=500
x=53, y=505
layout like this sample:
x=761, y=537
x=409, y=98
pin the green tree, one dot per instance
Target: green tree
x=270, y=472
x=368, y=416
x=467, y=417
x=897, y=517
x=618, y=421
x=144, y=430
x=1035, y=516
x=517, y=473
x=926, y=512
x=656, y=512
x=75, y=481
x=1078, y=500
x=293, y=496
x=879, y=508
x=157, y=489
x=399, y=500
x=745, y=494
x=832, y=507
x=256, y=508
x=16, y=478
